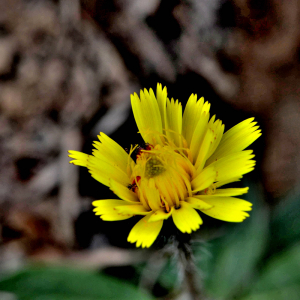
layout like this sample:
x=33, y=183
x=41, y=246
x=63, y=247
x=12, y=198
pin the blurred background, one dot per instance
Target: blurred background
x=67, y=69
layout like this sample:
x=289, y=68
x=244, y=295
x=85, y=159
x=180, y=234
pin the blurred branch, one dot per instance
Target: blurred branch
x=69, y=205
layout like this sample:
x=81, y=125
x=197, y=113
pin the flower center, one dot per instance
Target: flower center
x=161, y=177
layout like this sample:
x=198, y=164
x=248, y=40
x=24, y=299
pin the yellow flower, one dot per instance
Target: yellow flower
x=186, y=160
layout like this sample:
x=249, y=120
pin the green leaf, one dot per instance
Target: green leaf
x=280, y=279
x=285, y=222
x=281, y=271
x=57, y=283
x=238, y=253
x=289, y=292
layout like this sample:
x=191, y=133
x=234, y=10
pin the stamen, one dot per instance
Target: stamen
x=130, y=163
x=165, y=205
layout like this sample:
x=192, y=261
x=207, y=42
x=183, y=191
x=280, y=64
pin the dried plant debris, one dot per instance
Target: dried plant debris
x=53, y=69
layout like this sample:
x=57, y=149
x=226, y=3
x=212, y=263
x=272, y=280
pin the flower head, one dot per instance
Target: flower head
x=186, y=161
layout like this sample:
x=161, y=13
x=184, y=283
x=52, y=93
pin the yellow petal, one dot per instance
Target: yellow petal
x=161, y=95
x=198, y=204
x=204, y=149
x=80, y=159
x=231, y=191
x=108, y=209
x=226, y=202
x=189, y=120
x=103, y=171
x=246, y=124
x=144, y=233
x=223, y=182
x=133, y=209
x=147, y=116
x=237, y=139
x=199, y=134
x=174, y=121
x=234, y=165
x=111, y=152
x=123, y=192
x=152, y=195
x=226, y=208
x=186, y=218
x=191, y=116
x=217, y=128
x=160, y=214
x=165, y=189
x=115, y=217
x=107, y=205
x=204, y=179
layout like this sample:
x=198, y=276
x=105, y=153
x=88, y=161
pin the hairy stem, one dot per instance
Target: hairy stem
x=192, y=278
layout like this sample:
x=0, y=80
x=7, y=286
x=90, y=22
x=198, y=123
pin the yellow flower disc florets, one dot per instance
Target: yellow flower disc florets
x=166, y=170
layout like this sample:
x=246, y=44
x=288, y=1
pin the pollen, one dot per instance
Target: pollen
x=154, y=167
